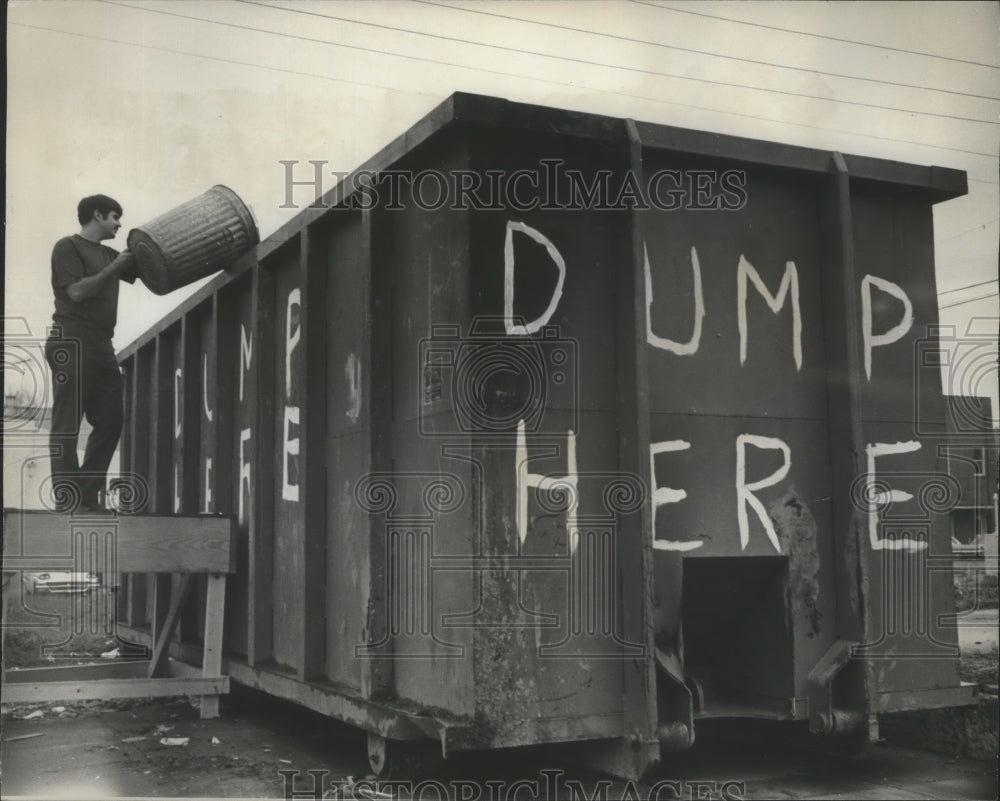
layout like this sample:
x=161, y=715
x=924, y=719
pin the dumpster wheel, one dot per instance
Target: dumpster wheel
x=402, y=759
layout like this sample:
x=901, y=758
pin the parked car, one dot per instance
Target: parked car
x=63, y=582
x=967, y=550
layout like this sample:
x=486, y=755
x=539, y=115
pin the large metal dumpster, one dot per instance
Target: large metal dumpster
x=551, y=427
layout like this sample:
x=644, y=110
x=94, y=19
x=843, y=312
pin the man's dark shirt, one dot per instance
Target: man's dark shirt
x=73, y=258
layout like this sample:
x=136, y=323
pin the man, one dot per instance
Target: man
x=86, y=379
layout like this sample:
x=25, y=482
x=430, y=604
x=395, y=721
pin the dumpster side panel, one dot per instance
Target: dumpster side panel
x=287, y=390
x=134, y=585
x=237, y=348
x=549, y=650
x=738, y=433
x=348, y=451
x=207, y=401
x=163, y=441
x=190, y=438
x=427, y=249
x=894, y=261
x=748, y=359
x=911, y=641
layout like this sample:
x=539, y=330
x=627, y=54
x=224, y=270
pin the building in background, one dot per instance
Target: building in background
x=972, y=452
x=972, y=455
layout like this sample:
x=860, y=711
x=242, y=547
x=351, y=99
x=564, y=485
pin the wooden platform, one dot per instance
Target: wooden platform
x=109, y=543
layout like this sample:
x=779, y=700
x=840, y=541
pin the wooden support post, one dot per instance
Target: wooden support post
x=212, y=659
x=162, y=586
x=154, y=544
x=163, y=633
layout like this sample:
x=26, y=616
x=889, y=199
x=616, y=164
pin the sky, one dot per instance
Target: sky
x=153, y=102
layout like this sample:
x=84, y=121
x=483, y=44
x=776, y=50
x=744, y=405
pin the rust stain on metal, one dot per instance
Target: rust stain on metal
x=504, y=687
x=796, y=529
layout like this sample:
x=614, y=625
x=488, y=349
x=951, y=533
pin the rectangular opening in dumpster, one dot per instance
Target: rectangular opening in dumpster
x=737, y=638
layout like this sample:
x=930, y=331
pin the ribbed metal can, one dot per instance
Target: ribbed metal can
x=194, y=240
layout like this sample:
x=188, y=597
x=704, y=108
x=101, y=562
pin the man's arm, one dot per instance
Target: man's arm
x=88, y=287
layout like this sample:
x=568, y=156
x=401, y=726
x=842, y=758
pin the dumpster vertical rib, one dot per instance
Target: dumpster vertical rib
x=222, y=374
x=186, y=459
x=135, y=586
x=260, y=628
x=377, y=677
x=842, y=321
x=127, y=465
x=161, y=464
x=190, y=409
x=635, y=537
x=312, y=454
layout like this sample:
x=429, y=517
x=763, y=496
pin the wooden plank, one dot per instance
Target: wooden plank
x=164, y=631
x=312, y=454
x=147, y=543
x=105, y=669
x=261, y=513
x=214, y=620
x=160, y=619
x=103, y=689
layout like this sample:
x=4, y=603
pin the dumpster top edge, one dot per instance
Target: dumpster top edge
x=941, y=183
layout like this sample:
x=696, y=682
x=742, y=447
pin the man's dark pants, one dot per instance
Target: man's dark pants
x=85, y=381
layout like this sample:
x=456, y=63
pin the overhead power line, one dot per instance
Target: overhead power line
x=237, y=62
x=573, y=85
x=970, y=300
x=970, y=230
x=632, y=40
x=815, y=35
x=970, y=286
x=570, y=59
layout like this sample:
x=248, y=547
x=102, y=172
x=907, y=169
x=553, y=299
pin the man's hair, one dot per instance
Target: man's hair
x=99, y=203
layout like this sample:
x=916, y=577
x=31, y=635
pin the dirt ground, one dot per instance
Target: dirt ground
x=116, y=750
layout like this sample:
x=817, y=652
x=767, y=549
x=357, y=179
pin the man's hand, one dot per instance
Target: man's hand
x=87, y=287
